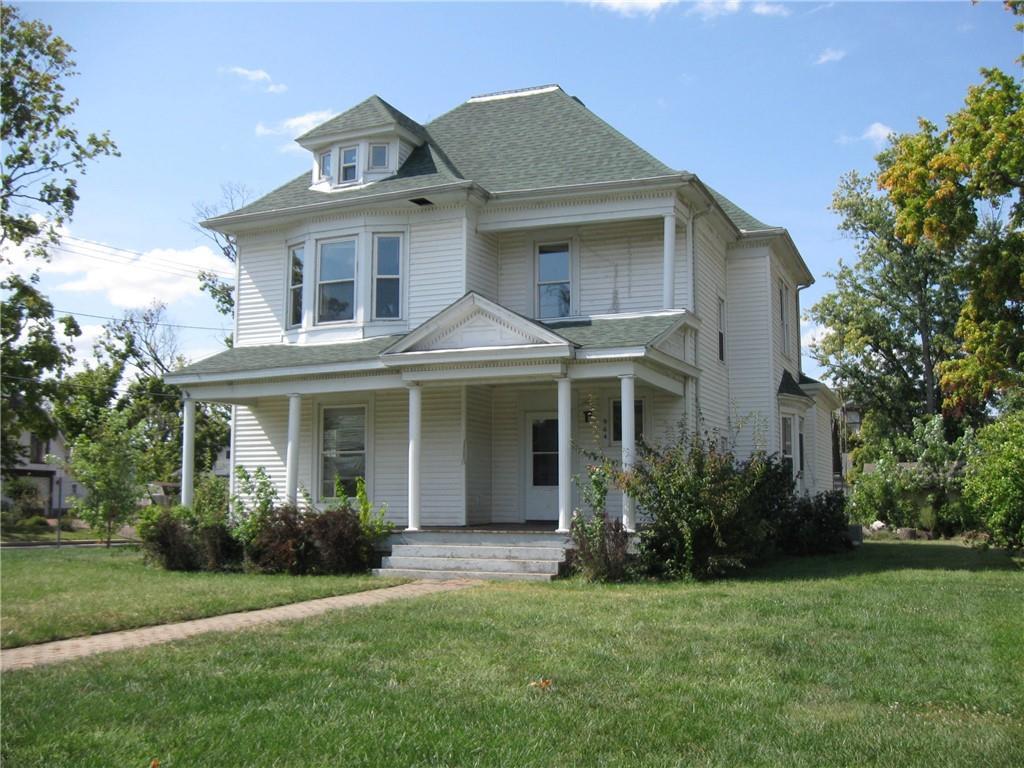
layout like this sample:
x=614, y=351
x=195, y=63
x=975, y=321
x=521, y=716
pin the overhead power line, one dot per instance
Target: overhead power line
x=77, y=313
x=86, y=247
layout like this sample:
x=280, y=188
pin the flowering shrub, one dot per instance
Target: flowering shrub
x=600, y=544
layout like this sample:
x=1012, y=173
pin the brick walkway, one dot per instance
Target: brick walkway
x=75, y=648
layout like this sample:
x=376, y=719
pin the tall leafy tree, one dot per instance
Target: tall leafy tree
x=232, y=197
x=891, y=314
x=42, y=155
x=962, y=186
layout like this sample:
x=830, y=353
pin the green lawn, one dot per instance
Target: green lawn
x=49, y=594
x=900, y=654
x=50, y=535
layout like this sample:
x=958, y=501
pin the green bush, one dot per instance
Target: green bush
x=283, y=544
x=253, y=504
x=168, y=539
x=601, y=544
x=994, y=479
x=34, y=521
x=707, y=512
x=887, y=494
x=341, y=543
x=814, y=525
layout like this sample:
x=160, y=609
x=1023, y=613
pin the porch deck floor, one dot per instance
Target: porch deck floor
x=535, y=526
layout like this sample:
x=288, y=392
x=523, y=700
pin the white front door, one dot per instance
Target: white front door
x=541, y=466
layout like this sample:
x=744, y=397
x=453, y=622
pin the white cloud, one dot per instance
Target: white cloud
x=771, y=9
x=712, y=9
x=830, y=55
x=877, y=133
x=811, y=334
x=258, y=77
x=631, y=8
x=293, y=127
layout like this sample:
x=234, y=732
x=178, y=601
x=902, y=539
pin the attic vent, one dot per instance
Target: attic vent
x=421, y=201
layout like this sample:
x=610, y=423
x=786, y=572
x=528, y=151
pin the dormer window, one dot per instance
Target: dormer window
x=325, y=165
x=378, y=157
x=349, y=158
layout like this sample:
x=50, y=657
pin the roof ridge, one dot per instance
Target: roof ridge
x=515, y=92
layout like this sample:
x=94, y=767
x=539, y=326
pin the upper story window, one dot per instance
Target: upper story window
x=387, y=277
x=296, y=260
x=349, y=164
x=721, y=329
x=784, y=302
x=378, y=157
x=325, y=165
x=336, y=281
x=554, y=280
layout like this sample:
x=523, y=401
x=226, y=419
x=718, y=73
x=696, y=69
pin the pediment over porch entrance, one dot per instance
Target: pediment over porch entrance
x=474, y=323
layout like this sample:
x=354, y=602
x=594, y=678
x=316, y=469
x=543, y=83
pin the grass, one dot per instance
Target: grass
x=899, y=654
x=50, y=594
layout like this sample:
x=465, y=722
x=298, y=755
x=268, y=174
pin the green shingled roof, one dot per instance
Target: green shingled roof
x=614, y=332
x=270, y=356
x=586, y=334
x=374, y=112
x=542, y=138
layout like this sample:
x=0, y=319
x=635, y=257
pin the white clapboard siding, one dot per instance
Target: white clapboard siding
x=391, y=454
x=515, y=271
x=684, y=270
x=436, y=266
x=713, y=390
x=442, y=467
x=261, y=439
x=478, y=454
x=784, y=360
x=481, y=262
x=261, y=289
x=821, y=458
x=747, y=348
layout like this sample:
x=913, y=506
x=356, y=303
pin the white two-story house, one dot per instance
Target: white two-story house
x=457, y=311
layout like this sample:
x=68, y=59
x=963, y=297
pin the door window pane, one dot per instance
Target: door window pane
x=545, y=469
x=545, y=435
x=342, y=449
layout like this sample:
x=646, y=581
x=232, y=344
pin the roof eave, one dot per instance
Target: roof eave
x=221, y=223
x=669, y=181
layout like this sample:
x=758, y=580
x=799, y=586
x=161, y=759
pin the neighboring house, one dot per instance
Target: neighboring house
x=451, y=310
x=55, y=488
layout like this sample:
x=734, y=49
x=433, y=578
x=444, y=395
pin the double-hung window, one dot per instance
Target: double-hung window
x=336, y=281
x=638, y=420
x=786, y=443
x=296, y=258
x=378, y=157
x=784, y=315
x=721, y=330
x=554, y=280
x=325, y=165
x=349, y=163
x=387, y=277
x=342, y=451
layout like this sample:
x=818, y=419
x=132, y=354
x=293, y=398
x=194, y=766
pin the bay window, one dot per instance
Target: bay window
x=336, y=281
x=349, y=163
x=342, y=451
x=325, y=165
x=387, y=277
x=296, y=257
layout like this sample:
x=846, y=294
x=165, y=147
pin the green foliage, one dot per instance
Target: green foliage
x=994, y=479
x=25, y=500
x=891, y=315
x=32, y=356
x=184, y=539
x=885, y=494
x=41, y=148
x=814, y=525
x=601, y=544
x=372, y=521
x=210, y=500
x=303, y=542
x=85, y=398
x=253, y=502
x=708, y=514
x=107, y=467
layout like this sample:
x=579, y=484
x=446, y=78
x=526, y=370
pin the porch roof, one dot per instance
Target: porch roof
x=279, y=359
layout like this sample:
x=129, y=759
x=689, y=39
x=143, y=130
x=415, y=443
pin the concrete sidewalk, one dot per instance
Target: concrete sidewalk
x=78, y=647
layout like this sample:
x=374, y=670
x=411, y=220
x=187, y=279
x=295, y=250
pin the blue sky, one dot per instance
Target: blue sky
x=768, y=102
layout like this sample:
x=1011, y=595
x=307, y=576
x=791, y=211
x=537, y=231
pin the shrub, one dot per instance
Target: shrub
x=887, y=495
x=253, y=504
x=815, y=525
x=283, y=543
x=167, y=538
x=601, y=544
x=994, y=479
x=705, y=515
x=340, y=543
x=210, y=500
x=373, y=523
x=34, y=521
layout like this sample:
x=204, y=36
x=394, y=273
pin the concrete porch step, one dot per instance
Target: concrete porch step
x=473, y=564
x=481, y=538
x=412, y=573
x=479, y=551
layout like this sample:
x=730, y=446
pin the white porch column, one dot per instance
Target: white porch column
x=188, y=450
x=415, y=438
x=668, y=276
x=628, y=443
x=564, y=454
x=292, y=456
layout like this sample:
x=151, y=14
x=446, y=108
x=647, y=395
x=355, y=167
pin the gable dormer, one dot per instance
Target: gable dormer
x=360, y=146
